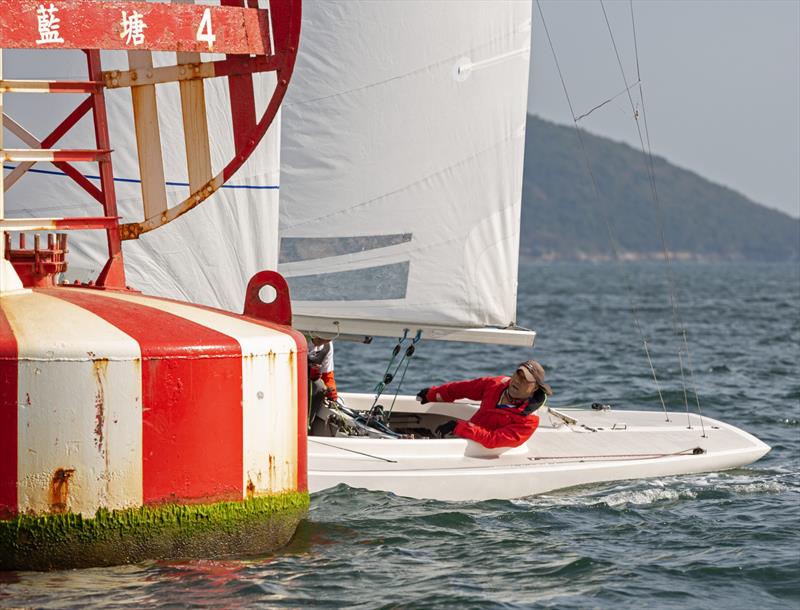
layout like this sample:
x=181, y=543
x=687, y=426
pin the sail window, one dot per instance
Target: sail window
x=294, y=249
x=370, y=284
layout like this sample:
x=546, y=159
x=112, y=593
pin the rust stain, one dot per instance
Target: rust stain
x=59, y=490
x=100, y=369
x=271, y=472
x=27, y=399
x=251, y=488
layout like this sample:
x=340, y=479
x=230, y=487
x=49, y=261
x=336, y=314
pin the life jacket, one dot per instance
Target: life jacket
x=527, y=406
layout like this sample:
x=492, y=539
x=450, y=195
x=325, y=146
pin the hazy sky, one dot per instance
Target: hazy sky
x=721, y=84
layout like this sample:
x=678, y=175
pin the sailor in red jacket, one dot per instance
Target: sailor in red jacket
x=506, y=416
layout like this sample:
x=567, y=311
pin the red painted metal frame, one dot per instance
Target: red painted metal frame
x=285, y=20
x=63, y=86
x=286, y=16
x=75, y=154
x=89, y=24
x=113, y=273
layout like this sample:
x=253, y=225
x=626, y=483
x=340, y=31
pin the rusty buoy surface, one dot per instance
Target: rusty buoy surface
x=133, y=427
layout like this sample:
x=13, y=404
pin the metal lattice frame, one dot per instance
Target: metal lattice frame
x=252, y=39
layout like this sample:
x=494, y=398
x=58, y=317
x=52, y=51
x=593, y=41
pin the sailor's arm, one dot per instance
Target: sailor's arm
x=473, y=389
x=512, y=435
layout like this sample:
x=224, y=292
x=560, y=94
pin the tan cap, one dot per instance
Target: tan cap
x=533, y=371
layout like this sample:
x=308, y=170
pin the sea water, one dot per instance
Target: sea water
x=719, y=540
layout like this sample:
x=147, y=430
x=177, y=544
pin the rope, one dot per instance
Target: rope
x=369, y=455
x=630, y=456
x=603, y=211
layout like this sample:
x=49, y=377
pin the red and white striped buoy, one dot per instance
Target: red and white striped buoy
x=134, y=427
x=112, y=401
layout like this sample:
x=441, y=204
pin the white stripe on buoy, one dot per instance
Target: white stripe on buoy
x=80, y=418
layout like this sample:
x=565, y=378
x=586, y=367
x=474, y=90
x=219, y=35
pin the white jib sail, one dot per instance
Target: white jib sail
x=206, y=256
x=402, y=154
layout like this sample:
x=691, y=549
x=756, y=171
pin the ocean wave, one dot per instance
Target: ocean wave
x=658, y=491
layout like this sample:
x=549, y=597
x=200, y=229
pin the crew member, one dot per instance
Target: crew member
x=320, y=360
x=506, y=417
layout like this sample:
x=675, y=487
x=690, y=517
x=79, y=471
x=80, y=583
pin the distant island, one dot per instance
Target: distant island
x=563, y=220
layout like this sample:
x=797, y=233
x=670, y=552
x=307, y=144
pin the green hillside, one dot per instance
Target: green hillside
x=563, y=219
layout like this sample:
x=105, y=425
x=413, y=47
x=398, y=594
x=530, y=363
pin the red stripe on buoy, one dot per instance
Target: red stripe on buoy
x=9, y=362
x=302, y=407
x=302, y=383
x=192, y=445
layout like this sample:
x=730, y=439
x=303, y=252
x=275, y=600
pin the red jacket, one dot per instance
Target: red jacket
x=490, y=426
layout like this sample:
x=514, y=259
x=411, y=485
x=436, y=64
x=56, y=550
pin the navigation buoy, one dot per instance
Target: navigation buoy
x=134, y=427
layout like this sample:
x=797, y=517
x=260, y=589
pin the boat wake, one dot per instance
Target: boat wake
x=663, y=491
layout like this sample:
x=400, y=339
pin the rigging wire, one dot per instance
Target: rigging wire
x=650, y=158
x=678, y=325
x=409, y=354
x=611, y=236
x=694, y=387
x=685, y=395
x=608, y=101
x=390, y=375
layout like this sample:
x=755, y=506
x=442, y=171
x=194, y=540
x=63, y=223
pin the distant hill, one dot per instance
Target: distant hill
x=562, y=218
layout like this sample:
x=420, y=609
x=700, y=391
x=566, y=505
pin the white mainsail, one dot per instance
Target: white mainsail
x=402, y=154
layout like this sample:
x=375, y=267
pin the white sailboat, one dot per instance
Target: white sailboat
x=402, y=149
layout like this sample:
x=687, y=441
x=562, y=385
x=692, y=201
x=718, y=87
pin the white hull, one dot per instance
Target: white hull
x=603, y=446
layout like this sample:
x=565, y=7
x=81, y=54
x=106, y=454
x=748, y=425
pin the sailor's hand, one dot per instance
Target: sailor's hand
x=422, y=396
x=446, y=428
x=314, y=372
x=331, y=394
